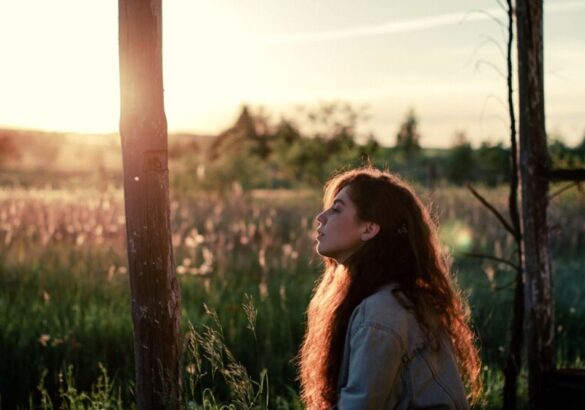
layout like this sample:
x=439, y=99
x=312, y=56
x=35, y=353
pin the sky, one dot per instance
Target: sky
x=444, y=60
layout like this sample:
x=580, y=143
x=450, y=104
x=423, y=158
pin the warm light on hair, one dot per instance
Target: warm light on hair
x=412, y=257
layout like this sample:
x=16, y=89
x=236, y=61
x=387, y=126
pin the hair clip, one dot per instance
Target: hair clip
x=402, y=229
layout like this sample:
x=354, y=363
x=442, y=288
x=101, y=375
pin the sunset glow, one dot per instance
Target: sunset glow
x=61, y=64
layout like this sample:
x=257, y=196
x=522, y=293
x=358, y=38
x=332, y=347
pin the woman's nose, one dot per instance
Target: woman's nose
x=321, y=218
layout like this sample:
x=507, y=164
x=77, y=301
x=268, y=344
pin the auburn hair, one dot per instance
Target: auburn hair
x=407, y=251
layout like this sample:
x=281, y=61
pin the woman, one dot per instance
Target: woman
x=386, y=326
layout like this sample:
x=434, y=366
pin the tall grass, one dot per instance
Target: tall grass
x=246, y=266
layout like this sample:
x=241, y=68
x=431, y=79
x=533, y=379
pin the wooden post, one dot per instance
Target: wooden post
x=534, y=163
x=143, y=131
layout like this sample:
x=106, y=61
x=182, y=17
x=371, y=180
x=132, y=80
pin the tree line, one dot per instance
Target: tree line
x=257, y=152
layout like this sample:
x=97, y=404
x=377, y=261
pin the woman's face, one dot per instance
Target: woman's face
x=340, y=233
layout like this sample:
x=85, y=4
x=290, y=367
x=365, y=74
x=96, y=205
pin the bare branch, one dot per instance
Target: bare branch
x=490, y=39
x=490, y=15
x=491, y=257
x=492, y=65
x=498, y=215
x=491, y=96
x=487, y=39
x=563, y=189
x=502, y=287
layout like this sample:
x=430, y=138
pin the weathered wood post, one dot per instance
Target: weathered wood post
x=143, y=131
x=534, y=164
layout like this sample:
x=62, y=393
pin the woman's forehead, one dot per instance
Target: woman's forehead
x=343, y=196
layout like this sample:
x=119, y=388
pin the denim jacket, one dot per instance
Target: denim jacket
x=386, y=364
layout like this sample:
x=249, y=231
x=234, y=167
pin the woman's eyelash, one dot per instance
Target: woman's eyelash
x=335, y=210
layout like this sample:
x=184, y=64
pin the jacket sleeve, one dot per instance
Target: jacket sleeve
x=373, y=380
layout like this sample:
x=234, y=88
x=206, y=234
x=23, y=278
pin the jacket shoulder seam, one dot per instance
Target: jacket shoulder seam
x=384, y=328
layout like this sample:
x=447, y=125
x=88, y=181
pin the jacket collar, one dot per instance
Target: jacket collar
x=391, y=286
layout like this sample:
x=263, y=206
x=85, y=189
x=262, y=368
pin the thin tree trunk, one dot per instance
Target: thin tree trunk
x=534, y=163
x=514, y=359
x=143, y=131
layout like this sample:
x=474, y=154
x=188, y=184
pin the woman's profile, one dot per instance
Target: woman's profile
x=387, y=327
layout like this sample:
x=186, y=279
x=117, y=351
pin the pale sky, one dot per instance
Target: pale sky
x=59, y=67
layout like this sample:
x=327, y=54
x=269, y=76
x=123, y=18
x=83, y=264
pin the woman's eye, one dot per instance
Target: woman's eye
x=335, y=210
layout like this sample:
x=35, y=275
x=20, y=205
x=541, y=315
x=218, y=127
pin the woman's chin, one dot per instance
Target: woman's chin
x=321, y=250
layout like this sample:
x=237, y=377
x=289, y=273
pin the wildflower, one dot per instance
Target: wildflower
x=44, y=339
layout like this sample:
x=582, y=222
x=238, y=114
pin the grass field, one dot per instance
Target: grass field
x=65, y=326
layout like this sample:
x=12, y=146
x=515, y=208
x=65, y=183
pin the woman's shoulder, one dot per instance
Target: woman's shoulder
x=383, y=309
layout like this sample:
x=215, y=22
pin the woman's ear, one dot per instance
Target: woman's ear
x=369, y=230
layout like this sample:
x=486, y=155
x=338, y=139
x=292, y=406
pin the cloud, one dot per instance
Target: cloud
x=417, y=24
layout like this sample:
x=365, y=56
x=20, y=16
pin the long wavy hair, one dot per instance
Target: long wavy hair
x=407, y=251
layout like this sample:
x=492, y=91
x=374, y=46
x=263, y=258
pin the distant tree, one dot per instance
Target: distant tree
x=258, y=153
x=248, y=169
x=342, y=140
x=561, y=155
x=287, y=132
x=581, y=145
x=492, y=163
x=330, y=119
x=580, y=151
x=345, y=152
x=9, y=151
x=370, y=148
x=232, y=141
x=329, y=142
x=460, y=164
x=431, y=174
x=408, y=137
